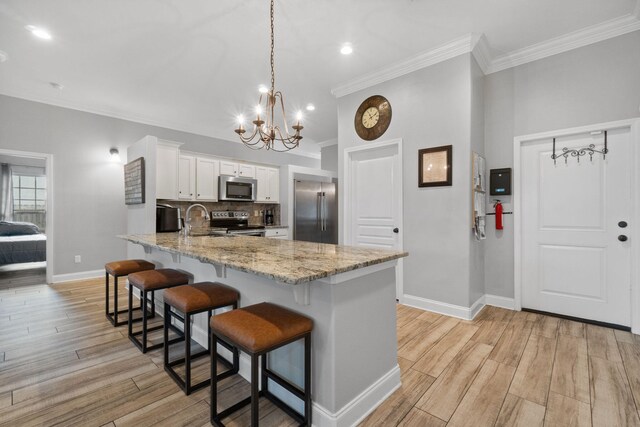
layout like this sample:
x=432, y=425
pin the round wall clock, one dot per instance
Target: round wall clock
x=373, y=117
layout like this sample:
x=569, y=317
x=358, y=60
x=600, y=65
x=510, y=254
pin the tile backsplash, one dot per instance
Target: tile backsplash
x=255, y=210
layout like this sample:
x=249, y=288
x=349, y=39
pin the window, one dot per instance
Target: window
x=29, y=193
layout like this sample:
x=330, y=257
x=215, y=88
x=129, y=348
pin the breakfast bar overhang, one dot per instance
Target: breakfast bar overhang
x=349, y=292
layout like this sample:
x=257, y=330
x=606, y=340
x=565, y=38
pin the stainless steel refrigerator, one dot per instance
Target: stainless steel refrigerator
x=315, y=212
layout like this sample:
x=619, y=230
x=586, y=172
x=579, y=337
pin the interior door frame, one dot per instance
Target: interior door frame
x=519, y=141
x=347, y=194
x=48, y=159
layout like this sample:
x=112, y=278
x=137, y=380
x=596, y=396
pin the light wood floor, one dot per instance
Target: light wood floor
x=61, y=362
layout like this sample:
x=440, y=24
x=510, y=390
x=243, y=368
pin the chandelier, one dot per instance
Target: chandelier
x=266, y=132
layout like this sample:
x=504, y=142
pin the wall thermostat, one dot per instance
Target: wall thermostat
x=500, y=182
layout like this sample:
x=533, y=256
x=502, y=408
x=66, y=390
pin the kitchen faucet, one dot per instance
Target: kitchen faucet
x=187, y=228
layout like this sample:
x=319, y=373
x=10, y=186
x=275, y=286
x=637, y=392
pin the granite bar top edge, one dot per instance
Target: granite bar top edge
x=287, y=279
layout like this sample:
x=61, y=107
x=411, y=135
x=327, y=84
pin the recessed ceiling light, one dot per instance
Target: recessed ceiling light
x=311, y=107
x=346, y=49
x=3, y=56
x=263, y=89
x=39, y=32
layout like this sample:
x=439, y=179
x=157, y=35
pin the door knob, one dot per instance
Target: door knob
x=622, y=224
x=622, y=238
x=395, y=230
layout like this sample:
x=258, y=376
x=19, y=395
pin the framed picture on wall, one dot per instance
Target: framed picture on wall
x=434, y=166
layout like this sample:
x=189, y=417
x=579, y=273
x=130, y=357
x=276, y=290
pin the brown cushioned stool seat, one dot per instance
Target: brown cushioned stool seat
x=118, y=269
x=190, y=300
x=148, y=282
x=257, y=330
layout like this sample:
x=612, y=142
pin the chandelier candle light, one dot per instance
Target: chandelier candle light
x=266, y=130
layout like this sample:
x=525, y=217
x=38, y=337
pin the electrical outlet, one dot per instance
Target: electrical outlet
x=78, y=259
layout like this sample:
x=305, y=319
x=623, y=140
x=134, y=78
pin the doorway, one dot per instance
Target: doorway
x=574, y=223
x=373, y=199
x=31, y=202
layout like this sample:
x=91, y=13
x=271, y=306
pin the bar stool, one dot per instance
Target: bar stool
x=257, y=330
x=118, y=269
x=147, y=282
x=189, y=300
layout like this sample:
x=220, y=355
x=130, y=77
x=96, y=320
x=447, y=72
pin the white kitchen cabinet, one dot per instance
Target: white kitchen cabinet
x=228, y=168
x=237, y=169
x=207, y=172
x=268, y=185
x=277, y=233
x=246, y=171
x=167, y=170
x=186, y=177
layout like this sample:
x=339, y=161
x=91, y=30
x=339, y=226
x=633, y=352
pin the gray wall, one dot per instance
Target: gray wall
x=476, y=247
x=431, y=107
x=593, y=84
x=329, y=160
x=89, y=208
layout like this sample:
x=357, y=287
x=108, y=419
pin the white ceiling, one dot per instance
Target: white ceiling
x=195, y=65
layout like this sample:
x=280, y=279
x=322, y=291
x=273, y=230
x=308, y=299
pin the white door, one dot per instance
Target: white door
x=186, y=177
x=263, y=184
x=228, y=168
x=246, y=171
x=374, y=200
x=573, y=262
x=274, y=185
x=207, y=179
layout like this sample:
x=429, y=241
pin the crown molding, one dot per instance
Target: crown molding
x=482, y=53
x=442, y=53
x=584, y=37
x=328, y=143
x=167, y=124
x=479, y=46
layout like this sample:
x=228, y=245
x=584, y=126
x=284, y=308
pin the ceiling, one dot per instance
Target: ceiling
x=195, y=65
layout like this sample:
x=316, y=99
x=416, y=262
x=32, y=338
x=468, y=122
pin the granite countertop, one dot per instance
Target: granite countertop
x=288, y=261
x=275, y=226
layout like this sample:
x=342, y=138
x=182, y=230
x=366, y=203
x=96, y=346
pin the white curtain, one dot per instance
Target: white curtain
x=6, y=193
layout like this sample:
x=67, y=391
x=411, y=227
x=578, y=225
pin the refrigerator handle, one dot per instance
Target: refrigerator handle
x=319, y=210
x=324, y=211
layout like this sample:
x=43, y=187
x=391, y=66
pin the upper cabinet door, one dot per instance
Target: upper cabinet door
x=186, y=177
x=246, y=171
x=268, y=184
x=207, y=172
x=228, y=168
x=262, y=177
x=167, y=172
x=274, y=185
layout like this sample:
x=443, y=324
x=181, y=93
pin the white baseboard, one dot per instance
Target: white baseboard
x=498, y=301
x=362, y=405
x=461, y=312
x=81, y=275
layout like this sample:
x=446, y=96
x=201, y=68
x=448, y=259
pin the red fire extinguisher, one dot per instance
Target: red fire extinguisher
x=498, y=208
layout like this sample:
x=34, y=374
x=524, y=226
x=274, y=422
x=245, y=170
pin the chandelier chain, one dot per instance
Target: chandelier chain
x=273, y=74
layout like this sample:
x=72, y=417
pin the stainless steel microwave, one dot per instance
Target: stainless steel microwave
x=237, y=189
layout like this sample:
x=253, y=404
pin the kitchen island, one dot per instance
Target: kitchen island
x=349, y=292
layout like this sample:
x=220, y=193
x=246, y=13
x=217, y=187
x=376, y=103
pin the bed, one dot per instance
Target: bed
x=21, y=242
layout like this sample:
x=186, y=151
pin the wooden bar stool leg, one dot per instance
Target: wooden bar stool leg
x=214, y=380
x=307, y=379
x=255, y=394
x=130, y=322
x=106, y=297
x=187, y=352
x=115, y=300
x=264, y=379
x=144, y=322
x=167, y=321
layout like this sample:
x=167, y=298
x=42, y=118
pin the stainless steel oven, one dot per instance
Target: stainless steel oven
x=237, y=189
